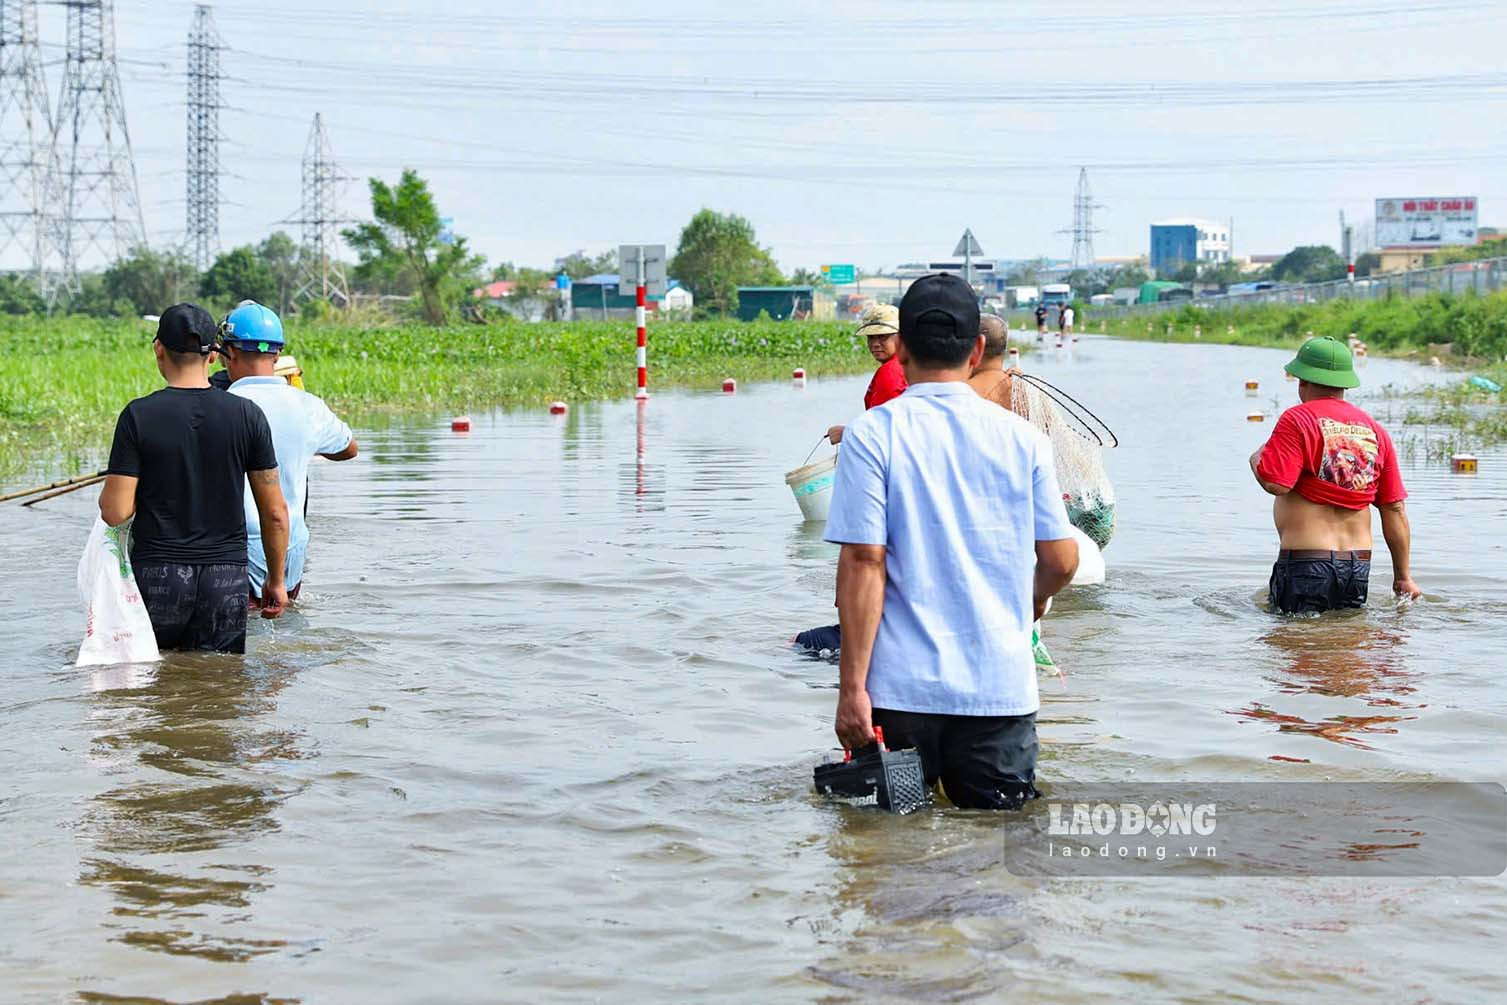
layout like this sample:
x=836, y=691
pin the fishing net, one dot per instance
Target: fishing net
x=1078, y=441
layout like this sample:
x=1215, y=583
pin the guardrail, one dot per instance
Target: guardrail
x=1485, y=275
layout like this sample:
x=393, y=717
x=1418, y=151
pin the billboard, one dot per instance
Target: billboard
x=1425, y=222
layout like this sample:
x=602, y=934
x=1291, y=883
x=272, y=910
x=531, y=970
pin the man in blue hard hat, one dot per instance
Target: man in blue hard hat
x=302, y=427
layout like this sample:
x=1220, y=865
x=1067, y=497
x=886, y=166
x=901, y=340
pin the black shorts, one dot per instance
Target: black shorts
x=195, y=606
x=984, y=762
x=1309, y=585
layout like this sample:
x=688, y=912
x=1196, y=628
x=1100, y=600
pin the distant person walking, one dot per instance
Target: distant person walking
x=1066, y=320
x=179, y=464
x=303, y=427
x=1041, y=321
x=954, y=536
x=1328, y=462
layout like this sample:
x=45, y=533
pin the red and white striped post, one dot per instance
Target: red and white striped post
x=640, y=312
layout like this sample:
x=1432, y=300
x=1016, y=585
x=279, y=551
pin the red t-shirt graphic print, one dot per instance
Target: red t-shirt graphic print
x=1331, y=452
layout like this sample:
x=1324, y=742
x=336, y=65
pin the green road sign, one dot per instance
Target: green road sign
x=839, y=275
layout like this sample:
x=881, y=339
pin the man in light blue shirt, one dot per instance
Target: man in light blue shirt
x=302, y=426
x=954, y=536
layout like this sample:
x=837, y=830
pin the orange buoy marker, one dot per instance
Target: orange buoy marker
x=799, y=373
x=558, y=408
x=1255, y=417
x=460, y=424
x=729, y=385
x=1463, y=464
x=1251, y=387
x=1014, y=354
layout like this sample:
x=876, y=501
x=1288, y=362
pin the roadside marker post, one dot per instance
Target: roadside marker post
x=642, y=266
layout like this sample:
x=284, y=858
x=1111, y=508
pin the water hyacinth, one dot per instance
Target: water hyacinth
x=66, y=379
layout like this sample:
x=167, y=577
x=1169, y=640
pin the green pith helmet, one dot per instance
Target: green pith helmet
x=1324, y=360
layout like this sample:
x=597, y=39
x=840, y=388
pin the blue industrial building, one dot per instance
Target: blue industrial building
x=1177, y=243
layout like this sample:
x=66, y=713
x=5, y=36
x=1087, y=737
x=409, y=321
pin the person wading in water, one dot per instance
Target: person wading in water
x=990, y=378
x=1328, y=462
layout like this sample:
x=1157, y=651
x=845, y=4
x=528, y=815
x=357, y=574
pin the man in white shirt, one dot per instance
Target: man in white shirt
x=302, y=426
x=954, y=536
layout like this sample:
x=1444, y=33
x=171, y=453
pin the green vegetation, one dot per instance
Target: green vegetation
x=718, y=252
x=1467, y=331
x=410, y=238
x=1466, y=327
x=67, y=379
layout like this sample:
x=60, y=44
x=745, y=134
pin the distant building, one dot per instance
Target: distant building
x=599, y=298
x=783, y=303
x=1177, y=243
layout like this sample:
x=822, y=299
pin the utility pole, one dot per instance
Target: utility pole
x=201, y=231
x=1347, y=247
x=96, y=175
x=1083, y=224
x=25, y=136
x=323, y=276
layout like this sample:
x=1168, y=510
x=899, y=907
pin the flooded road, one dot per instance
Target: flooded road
x=535, y=733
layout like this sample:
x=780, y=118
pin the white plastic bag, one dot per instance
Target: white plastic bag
x=117, y=628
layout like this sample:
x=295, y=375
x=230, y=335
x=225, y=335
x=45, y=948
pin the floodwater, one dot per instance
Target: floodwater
x=534, y=734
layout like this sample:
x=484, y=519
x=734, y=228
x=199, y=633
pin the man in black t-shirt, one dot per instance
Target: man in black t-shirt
x=1041, y=321
x=179, y=464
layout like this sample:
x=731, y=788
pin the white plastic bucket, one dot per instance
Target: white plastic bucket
x=812, y=486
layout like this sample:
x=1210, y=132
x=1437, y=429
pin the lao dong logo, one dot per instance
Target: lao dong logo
x=1130, y=819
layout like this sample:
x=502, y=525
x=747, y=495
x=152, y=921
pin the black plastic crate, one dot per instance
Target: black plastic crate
x=892, y=780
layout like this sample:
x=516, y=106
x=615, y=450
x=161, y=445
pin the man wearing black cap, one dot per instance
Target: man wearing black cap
x=179, y=462
x=954, y=536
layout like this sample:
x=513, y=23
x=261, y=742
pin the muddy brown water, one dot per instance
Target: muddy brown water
x=534, y=734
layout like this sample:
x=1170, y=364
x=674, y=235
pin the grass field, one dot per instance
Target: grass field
x=67, y=379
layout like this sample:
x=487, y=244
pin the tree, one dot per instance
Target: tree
x=1221, y=273
x=18, y=295
x=1125, y=276
x=1309, y=263
x=808, y=277
x=1028, y=273
x=409, y=238
x=240, y=274
x=150, y=281
x=1368, y=263
x=579, y=265
x=718, y=253
x=280, y=255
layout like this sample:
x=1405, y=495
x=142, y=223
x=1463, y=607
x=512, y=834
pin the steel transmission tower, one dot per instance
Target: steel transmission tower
x=1083, y=223
x=323, y=276
x=95, y=175
x=25, y=136
x=201, y=231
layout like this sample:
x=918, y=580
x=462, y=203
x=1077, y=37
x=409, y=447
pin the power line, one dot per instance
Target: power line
x=92, y=147
x=202, y=221
x=25, y=134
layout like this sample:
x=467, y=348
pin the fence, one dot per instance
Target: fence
x=1486, y=275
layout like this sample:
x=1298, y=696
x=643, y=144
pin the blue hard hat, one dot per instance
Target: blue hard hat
x=252, y=326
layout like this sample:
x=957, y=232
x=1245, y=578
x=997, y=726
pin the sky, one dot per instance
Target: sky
x=870, y=133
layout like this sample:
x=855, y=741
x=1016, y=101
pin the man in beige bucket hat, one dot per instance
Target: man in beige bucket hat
x=879, y=327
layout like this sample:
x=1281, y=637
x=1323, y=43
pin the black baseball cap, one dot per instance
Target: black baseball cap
x=940, y=305
x=187, y=328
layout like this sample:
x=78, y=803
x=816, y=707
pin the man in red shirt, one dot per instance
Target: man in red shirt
x=1328, y=462
x=879, y=327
